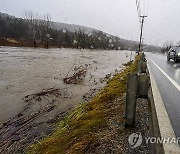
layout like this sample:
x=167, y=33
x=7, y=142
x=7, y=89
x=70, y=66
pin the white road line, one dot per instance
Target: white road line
x=164, y=123
x=167, y=76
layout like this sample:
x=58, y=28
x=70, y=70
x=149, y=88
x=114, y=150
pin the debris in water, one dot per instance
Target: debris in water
x=77, y=77
x=37, y=96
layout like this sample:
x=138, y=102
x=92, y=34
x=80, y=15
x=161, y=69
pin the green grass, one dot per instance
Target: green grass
x=77, y=130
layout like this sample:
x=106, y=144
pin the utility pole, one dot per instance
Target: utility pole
x=142, y=44
x=142, y=23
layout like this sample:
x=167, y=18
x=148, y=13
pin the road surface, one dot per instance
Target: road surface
x=167, y=76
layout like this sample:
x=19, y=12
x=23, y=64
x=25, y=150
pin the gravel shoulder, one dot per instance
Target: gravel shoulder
x=114, y=137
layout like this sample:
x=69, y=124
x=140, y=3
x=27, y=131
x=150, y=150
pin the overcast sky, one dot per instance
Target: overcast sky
x=117, y=17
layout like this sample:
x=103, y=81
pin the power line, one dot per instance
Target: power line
x=153, y=36
x=141, y=9
x=159, y=32
x=138, y=6
x=153, y=39
x=138, y=9
x=147, y=7
x=144, y=7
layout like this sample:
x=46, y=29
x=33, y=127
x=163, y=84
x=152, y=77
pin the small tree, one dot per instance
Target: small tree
x=33, y=23
x=47, y=26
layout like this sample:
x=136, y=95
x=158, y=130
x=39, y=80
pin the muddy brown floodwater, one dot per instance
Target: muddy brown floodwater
x=33, y=94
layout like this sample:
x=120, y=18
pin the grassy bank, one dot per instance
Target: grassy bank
x=79, y=129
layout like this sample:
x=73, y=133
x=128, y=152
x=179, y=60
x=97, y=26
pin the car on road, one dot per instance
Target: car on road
x=174, y=54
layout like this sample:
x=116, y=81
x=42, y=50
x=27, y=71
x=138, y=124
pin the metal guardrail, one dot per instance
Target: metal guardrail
x=142, y=85
x=137, y=87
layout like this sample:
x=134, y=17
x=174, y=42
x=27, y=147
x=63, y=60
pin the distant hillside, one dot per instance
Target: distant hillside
x=128, y=44
x=60, y=26
x=71, y=27
x=6, y=15
x=61, y=34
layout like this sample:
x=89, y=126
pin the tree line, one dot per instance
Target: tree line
x=38, y=29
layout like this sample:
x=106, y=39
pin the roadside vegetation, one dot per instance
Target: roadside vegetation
x=80, y=128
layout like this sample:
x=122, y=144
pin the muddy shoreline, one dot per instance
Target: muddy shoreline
x=25, y=43
x=27, y=128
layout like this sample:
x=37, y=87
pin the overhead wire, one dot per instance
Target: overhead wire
x=147, y=8
x=137, y=6
x=150, y=37
x=154, y=36
x=143, y=9
x=167, y=37
x=138, y=9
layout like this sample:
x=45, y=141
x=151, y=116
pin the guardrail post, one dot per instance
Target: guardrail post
x=141, y=67
x=143, y=85
x=143, y=57
x=137, y=87
x=131, y=95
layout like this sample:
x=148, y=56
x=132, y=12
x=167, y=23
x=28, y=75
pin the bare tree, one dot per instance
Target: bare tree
x=47, y=24
x=33, y=23
x=38, y=26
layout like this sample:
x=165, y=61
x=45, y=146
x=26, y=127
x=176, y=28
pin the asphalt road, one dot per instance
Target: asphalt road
x=167, y=76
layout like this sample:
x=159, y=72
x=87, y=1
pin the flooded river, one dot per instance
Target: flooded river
x=34, y=96
x=26, y=71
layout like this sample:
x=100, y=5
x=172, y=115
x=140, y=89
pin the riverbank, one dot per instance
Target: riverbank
x=24, y=43
x=97, y=126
